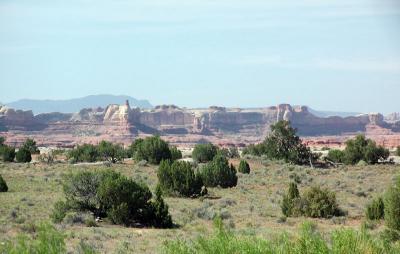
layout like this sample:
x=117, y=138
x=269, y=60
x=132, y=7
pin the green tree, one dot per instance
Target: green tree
x=134, y=146
x=398, y=151
x=203, y=153
x=111, y=152
x=2, y=141
x=365, y=149
x=84, y=153
x=3, y=185
x=153, y=149
x=336, y=156
x=31, y=146
x=289, y=200
x=23, y=155
x=159, y=214
x=179, y=178
x=320, y=203
x=218, y=172
x=8, y=153
x=244, y=167
x=176, y=154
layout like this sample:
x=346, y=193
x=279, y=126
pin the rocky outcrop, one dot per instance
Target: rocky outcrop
x=122, y=123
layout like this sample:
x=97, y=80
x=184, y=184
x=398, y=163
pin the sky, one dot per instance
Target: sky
x=340, y=55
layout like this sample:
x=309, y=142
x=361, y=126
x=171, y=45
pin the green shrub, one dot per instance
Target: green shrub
x=360, y=148
x=392, y=206
x=3, y=185
x=83, y=153
x=111, y=152
x=283, y=144
x=244, y=167
x=109, y=194
x=46, y=240
x=289, y=200
x=179, y=179
x=8, y=153
x=153, y=149
x=336, y=156
x=320, y=203
x=59, y=212
x=231, y=152
x=176, y=154
x=398, y=151
x=218, y=172
x=203, y=153
x=23, y=155
x=316, y=202
x=376, y=209
x=134, y=146
x=157, y=214
x=31, y=146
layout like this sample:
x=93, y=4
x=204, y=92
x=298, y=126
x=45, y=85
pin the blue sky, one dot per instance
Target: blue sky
x=333, y=55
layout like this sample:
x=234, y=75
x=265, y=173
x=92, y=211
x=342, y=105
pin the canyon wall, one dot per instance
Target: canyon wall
x=121, y=123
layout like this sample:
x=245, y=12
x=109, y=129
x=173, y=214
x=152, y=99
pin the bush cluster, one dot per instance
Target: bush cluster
x=23, y=155
x=114, y=196
x=203, y=153
x=244, y=167
x=363, y=149
x=104, y=151
x=154, y=150
x=316, y=202
x=283, y=144
x=218, y=172
x=3, y=185
x=179, y=179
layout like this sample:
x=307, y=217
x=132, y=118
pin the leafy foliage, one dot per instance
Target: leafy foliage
x=111, y=152
x=176, y=154
x=244, y=167
x=31, y=146
x=3, y=185
x=203, y=153
x=336, y=156
x=362, y=149
x=316, y=202
x=398, y=151
x=289, y=200
x=178, y=178
x=152, y=149
x=376, y=209
x=23, y=155
x=283, y=144
x=83, y=153
x=218, y=172
x=109, y=194
x=8, y=153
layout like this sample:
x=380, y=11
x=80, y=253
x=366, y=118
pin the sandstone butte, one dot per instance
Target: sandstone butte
x=185, y=127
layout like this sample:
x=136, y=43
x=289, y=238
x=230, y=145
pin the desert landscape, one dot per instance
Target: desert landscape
x=200, y=127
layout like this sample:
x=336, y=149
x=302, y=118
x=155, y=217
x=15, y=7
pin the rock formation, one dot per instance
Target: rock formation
x=121, y=123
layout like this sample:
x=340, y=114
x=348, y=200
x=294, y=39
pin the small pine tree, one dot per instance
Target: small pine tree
x=162, y=218
x=244, y=167
x=218, y=172
x=23, y=155
x=31, y=146
x=289, y=199
x=3, y=185
x=375, y=209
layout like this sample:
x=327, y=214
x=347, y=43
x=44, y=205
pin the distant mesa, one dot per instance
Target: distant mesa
x=75, y=105
x=124, y=121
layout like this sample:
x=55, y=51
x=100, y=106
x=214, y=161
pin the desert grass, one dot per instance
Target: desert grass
x=250, y=209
